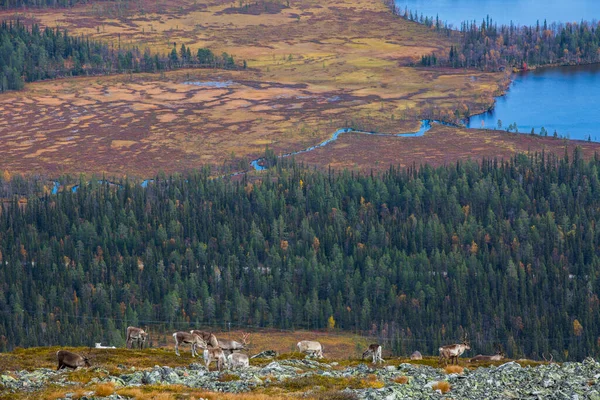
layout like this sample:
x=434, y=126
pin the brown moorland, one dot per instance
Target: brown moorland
x=314, y=66
x=442, y=145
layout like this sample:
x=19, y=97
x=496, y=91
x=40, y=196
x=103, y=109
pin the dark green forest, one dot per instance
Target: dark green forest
x=507, y=251
x=32, y=54
x=487, y=46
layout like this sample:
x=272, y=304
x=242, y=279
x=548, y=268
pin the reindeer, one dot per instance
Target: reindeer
x=188, y=338
x=416, y=355
x=374, y=350
x=231, y=346
x=214, y=354
x=208, y=337
x=67, y=359
x=137, y=335
x=481, y=358
x=311, y=348
x=453, y=351
x=496, y=357
x=237, y=360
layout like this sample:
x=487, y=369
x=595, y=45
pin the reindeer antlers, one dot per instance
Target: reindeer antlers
x=245, y=337
x=551, y=358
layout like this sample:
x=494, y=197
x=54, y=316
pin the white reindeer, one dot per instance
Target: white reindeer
x=453, y=351
x=374, y=350
x=237, y=360
x=311, y=348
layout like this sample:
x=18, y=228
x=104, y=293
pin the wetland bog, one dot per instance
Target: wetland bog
x=313, y=68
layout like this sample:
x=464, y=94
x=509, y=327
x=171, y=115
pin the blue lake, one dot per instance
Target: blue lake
x=520, y=12
x=565, y=99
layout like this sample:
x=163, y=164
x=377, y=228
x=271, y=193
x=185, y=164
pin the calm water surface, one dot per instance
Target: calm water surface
x=565, y=99
x=520, y=12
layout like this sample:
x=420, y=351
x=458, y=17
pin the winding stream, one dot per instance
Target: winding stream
x=257, y=164
x=425, y=126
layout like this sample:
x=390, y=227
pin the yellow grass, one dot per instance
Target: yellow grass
x=104, y=389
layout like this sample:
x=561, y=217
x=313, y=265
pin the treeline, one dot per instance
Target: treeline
x=504, y=250
x=490, y=47
x=32, y=54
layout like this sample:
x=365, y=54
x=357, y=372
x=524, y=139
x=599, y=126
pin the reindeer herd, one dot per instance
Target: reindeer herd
x=227, y=353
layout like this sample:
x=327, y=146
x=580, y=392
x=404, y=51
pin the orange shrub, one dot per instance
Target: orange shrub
x=403, y=380
x=454, y=369
x=442, y=386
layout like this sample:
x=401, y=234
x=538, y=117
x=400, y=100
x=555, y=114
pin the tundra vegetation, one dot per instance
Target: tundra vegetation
x=313, y=68
x=299, y=248
x=157, y=373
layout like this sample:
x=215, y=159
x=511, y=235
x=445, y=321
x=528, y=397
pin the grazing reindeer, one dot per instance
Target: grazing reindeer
x=311, y=348
x=453, y=351
x=208, y=337
x=231, y=346
x=375, y=351
x=496, y=357
x=137, y=335
x=416, y=356
x=214, y=354
x=188, y=338
x=237, y=360
x=67, y=359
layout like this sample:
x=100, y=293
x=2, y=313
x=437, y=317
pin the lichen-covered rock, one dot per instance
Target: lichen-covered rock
x=576, y=381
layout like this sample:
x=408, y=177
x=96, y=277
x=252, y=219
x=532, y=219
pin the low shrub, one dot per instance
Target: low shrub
x=454, y=369
x=403, y=380
x=442, y=386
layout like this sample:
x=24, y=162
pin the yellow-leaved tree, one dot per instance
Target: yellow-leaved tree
x=331, y=322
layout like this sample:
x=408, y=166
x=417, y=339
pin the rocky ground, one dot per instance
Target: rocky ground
x=308, y=378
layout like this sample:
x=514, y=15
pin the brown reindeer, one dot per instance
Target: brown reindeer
x=208, y=337
x=374, y=350
x=453, y=351
x=496, y=357
x=137, y=336
x=214, y=354
x=188, y=338
x=231, y=346
x=68, y=359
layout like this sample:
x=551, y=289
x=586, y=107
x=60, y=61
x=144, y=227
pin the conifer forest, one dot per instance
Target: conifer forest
x=506, y=251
